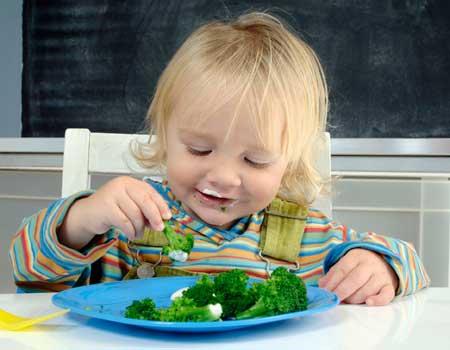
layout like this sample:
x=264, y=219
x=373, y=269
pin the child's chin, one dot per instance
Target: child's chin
x=217, y=219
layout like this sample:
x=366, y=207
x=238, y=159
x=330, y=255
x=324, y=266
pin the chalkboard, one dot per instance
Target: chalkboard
x=94, y=63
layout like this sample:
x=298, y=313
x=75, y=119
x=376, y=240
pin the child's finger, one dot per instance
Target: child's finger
x=322, y=281
x=384, y=297
x=153, y=216
x=148, y=198
x=338, y=273
x=333, y=278
x=161, y=204
x=158, y=200
x=352, y=282
x=119, y=220
x=148, y=207
x=133, y=213
x=371, y=287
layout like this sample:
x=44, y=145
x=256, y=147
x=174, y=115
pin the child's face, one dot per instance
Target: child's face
x=219, y=179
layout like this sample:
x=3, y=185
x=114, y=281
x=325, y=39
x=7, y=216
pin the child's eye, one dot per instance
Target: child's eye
x=255, y=164
x=198, y=152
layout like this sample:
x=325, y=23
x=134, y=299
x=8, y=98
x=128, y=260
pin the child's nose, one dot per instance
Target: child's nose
x=224, y=174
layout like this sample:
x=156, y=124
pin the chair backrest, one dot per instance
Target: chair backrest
x=87, y=153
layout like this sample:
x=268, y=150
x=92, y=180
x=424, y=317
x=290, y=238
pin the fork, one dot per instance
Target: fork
x=12, y=322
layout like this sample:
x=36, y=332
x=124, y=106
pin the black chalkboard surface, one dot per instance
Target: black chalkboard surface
x=94, y=63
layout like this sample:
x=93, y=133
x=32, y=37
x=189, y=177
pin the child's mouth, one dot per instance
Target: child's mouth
x=210, y=199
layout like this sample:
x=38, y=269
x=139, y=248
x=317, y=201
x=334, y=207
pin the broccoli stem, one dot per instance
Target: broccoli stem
x=169, y=233
x=192, y=313
x=257, y=310
x=204, y=313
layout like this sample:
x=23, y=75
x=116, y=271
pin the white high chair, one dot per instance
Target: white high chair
x=87, y=153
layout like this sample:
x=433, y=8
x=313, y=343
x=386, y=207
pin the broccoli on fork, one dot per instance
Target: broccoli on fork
x=179, y=246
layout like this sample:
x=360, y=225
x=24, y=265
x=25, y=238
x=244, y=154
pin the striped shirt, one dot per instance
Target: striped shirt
x=42, y=263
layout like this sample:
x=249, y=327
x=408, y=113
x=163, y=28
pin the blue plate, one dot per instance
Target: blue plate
x=107, y=301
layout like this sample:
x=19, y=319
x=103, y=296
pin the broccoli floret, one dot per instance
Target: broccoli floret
x=232, y=293
x=228, y=296
x=184, y=310
x=144, y=309
x=283, y=292
x=181, y=310
x=179, y=246
x=202, y=293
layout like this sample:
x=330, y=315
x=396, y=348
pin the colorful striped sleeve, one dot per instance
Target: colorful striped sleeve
x=41, y=263
x=400, y=255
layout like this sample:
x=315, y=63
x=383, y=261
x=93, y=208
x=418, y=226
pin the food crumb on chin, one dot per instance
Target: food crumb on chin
x=223, y=209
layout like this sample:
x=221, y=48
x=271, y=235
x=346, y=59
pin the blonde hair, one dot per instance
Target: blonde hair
x=257, y=60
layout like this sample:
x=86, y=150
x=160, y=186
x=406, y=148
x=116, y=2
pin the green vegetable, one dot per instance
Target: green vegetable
x=283, y=292
x=228, y=296
x=144, y=309
x=179, y=246
x=181, y=310
x=231, y=291
x=184, y=310
x=228, y=288
x=202, y=293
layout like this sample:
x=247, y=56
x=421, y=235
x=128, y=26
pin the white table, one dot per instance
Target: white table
x=420, y=321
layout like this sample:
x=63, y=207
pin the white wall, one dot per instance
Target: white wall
x=10, y=67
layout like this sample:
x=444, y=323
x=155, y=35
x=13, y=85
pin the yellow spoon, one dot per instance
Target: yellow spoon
x=12, y=322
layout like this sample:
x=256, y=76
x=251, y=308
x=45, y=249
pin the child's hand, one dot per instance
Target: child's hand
x=124, y=202
x=361, y=276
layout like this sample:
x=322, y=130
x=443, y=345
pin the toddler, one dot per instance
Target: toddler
x=237, y=113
